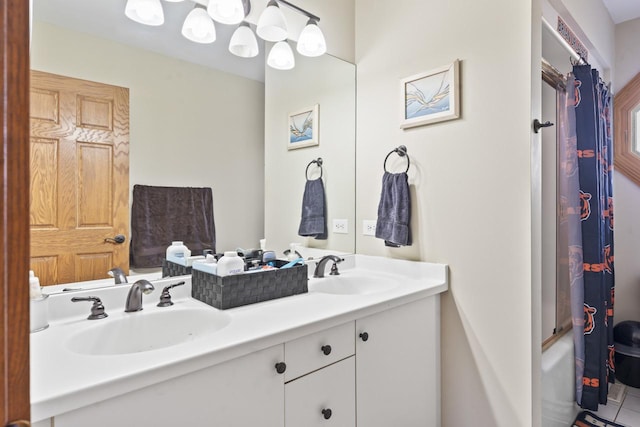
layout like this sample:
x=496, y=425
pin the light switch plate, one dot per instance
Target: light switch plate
x=341, y=226
x=369, y=227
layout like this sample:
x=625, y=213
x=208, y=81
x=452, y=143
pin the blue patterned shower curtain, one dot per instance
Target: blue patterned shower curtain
x=591, y=252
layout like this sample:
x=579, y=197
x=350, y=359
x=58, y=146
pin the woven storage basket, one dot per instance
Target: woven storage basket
x=170, y=269
x=242, y=289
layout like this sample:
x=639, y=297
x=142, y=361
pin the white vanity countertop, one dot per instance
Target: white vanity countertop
x=62, y=380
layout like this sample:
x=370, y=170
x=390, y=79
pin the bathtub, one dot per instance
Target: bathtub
x=558, y=384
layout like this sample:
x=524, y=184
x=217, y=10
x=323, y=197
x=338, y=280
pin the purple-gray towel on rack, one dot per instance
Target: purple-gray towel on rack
x=160, y=215
x=313, y=222
x=394, y=210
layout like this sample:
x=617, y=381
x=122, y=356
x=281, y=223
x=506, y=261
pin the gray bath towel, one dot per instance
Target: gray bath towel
x=313, y=222
x=394, y=210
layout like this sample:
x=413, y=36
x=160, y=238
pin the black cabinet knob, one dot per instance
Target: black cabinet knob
x=281, y=367
x=326, y=349
x=364, y=336
x=326, y=413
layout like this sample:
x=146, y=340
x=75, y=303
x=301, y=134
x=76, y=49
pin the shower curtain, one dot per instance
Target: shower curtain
x=586, y=169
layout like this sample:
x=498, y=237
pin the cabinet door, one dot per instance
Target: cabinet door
x=325, y=398
x=398, y=366
x=239, y=393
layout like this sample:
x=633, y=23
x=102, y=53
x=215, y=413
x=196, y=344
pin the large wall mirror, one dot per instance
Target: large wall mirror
x=201, y=117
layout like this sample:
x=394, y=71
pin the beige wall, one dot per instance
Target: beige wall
x=471, y=185
x=190, y=125
x=626, y=192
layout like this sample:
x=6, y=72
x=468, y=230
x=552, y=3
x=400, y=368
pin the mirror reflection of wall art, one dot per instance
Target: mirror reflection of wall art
x=431, y=97
x=303, y=128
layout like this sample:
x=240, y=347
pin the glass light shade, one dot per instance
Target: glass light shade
x=228, y=12
x=281, y=56
x=243, y=42
x=148, y=12
x=271, y=25
x=311, y=41
x=199, y=27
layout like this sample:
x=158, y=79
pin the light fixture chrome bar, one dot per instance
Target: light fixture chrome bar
x=299, y=9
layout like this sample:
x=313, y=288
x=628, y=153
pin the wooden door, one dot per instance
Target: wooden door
x=79, y=178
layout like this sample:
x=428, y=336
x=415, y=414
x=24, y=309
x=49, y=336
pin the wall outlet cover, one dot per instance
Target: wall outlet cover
x=369, y=227
x=341, y=226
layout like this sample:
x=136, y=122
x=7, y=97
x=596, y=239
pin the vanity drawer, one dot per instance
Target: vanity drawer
x=315, y=351
x=326, y=398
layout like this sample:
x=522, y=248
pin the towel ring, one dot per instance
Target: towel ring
x=317, y=161
x=402, y=152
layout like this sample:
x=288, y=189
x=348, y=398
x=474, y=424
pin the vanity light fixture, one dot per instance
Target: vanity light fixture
x=243, y=42
x=281, y=56
x=198, y=26
x=272, y=25
x=230, y=12
x=148, y=12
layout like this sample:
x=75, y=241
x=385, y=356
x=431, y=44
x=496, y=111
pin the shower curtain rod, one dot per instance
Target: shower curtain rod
x=563, y=42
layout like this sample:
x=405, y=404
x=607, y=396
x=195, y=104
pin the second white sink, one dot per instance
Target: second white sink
x=146, y=331
x=353, y=282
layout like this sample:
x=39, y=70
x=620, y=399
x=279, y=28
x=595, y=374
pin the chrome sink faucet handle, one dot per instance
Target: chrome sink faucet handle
x=165, y=297
x=319, y=271
x=134, y=298
x=97, y=309
x=118, y=275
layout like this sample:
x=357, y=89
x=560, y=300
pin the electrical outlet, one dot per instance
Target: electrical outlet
x=369, y=227
x=341, y=226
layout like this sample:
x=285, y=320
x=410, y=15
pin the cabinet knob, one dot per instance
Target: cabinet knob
x=281, y=367
x=364, y=336
x=326, y=349
x=326, y=413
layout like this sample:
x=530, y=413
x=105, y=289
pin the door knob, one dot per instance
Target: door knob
x=281, y=367
x=117, y=239
x=327, y=413
x=364, y=336
x=326, y=349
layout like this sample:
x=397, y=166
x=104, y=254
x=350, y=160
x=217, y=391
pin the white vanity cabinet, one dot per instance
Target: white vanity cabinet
x=243, y=392
x=398, y=366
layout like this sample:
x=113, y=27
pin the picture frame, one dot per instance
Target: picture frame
x=303, y=127
x=431, y=97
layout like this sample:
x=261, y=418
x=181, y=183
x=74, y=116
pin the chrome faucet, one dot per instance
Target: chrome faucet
x=134, y=299
x=118, y=275
x=319, y=271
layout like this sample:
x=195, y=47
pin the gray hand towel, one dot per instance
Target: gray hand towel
x=394, y=210
x=313, y=222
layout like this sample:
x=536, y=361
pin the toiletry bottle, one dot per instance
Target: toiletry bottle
x=230, y=263
x=292, y=254
x=178, y=250
x=34, y=285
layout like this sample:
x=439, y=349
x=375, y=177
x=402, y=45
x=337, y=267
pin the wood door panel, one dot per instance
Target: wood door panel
x=45, y=105
x=95, y=113
x=81, y=197
x=92, y=266
x=95, y=177
x=45, y=268
x=44, y=183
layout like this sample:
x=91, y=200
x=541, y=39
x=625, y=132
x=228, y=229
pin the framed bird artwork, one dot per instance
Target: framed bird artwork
x=303, y=128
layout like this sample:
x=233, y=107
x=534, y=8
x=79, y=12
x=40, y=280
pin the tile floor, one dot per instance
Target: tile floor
x=623, y=406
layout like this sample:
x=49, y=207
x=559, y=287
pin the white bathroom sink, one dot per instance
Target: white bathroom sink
x=147, y=330
x=353, y=282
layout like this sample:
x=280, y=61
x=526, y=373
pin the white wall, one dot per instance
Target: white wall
x=330, y=83
x=626, y=192
x=190, y=125
x=471, y=186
